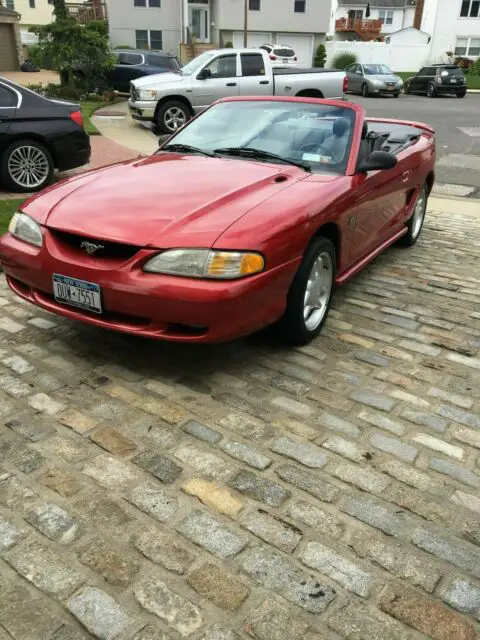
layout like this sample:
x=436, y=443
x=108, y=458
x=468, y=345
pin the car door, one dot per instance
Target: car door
x=254, y=80
x=128, y=68
x=219, y=79
x=8, y=106
x=416, y=82
x=358, y=77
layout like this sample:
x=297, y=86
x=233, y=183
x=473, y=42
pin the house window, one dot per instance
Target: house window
x=470, y=9
x=10, y=4
x=355, y=14
x=152, y=4
x=148, y=39
x=299, y=6
x=32, y=4
x=254, y=5
x=467, y=47
x=386, y=16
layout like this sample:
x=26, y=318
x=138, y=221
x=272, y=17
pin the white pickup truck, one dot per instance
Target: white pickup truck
x=170, y=99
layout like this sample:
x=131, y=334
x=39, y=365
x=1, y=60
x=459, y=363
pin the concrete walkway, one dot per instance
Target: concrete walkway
x=114, y=122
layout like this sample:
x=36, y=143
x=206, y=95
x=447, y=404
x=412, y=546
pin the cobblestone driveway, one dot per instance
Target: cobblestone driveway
x=155, y=492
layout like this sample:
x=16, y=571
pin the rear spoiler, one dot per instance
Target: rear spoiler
x=408, y=123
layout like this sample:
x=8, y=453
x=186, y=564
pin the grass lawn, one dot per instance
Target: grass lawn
x=473, y=82
x=88, y=109
x=7, y=209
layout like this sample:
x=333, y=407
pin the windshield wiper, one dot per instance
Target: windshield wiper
x=250, y=152
x=188, y=149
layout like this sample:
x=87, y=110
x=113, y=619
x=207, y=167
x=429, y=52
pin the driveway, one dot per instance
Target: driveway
x=151, y=491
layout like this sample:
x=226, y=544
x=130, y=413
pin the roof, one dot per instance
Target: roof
x=9, y=12
x=408, y=29
x=145, y=52
x=379, y=4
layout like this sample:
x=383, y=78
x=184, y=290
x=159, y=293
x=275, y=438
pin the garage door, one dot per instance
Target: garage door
x=255, y=39
x=302, y=44
x=8, y=59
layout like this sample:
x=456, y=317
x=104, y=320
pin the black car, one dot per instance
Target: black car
x=438, y=79
x=135, y=63
x=37, y=136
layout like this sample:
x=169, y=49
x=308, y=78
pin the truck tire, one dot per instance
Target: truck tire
x=172, y=115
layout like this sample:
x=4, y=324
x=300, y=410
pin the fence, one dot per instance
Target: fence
x=399, y=57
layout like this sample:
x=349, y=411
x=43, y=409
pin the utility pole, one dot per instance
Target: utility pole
x=245, y=24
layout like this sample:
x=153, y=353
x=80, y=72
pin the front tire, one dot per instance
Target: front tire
x=396, y=94
x=415, y=223
x=310, y=294
x=431, y=92
x=25, y=166
x=365, y=91
x=407, y=88
x=172, y=115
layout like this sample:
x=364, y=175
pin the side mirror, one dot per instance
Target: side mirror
x=204, y=74
x=378, y=161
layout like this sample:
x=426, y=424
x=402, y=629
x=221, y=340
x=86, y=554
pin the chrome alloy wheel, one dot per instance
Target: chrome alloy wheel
x=28, y=166
x=318, y=291
x=419, y=214
x=174, y=118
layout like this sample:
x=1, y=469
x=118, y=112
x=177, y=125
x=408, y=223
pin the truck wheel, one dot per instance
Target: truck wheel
x=310, y=294
x=171, y=116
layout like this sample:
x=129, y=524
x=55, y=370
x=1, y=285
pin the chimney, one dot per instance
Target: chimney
x=417, y=21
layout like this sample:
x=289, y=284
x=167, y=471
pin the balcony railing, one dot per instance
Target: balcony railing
x=359, y=26
x=85, y=12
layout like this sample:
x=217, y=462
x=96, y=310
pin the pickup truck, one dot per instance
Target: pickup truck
x=171, y=99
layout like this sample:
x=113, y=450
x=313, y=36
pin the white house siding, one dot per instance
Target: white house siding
x=399, y=57
x=449, y=26
x=409, y=36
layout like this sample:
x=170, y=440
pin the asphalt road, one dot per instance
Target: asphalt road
x=457, y=126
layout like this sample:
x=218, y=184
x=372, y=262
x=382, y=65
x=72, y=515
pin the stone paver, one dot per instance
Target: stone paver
x=155, y=492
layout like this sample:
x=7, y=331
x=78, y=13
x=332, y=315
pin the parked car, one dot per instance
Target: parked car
x=170, y=100
x=439, y=79
x=249, y=216
x=281, y=55
x=135, y=63
x=37, y=136
x=373, y=79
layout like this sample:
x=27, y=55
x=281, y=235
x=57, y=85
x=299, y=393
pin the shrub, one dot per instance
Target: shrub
x=320, y=56
x=463, y=62
x=123, y=46
x=228, y=45
x=474, y=68
x=343, y=60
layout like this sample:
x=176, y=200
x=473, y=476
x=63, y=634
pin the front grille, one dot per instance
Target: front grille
x=108, y=250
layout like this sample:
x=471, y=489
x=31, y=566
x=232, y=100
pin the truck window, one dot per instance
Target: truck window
x=223, y=67
x=252, y=64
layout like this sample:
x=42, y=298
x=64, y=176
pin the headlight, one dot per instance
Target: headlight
x=25, y=228
x=204, y=263
x=147, y=94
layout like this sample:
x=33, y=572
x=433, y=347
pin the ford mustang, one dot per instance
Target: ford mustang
x=248, y=216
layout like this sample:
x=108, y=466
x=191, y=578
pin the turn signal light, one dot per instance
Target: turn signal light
x=77, y=117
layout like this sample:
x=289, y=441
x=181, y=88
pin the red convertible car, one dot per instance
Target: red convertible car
x=249, y=216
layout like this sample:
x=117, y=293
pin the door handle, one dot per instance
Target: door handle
x=231, y=84
x=264, y=82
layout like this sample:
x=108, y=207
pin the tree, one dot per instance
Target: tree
x=68, y=46
x=320, y=56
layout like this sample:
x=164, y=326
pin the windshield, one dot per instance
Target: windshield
x=319, y=135
x=195, y=64
x=377, y=70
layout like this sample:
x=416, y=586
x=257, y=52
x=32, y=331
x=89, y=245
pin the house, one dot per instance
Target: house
x=10, y=43
x=363, y=20
x=407, y=37
x=455, y=27
x=167, y=24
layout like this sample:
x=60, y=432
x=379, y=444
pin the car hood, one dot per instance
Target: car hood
x=383, y=78
x=158, y=79
x=162, y=201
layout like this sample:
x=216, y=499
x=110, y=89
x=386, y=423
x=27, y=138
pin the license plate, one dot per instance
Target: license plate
x=452, y=81
x=285, y=60
x=77, y=293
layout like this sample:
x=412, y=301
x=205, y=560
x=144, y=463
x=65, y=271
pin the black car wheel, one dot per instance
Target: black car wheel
x=171, y=116
x=407, y=88
x=26, y=165
x=310, y=294
x=396, y=94
x=431, y=92
x=462, y=94
x=415, y=223
x=365, y=91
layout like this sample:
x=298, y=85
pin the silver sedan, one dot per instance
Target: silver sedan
x=373, y=79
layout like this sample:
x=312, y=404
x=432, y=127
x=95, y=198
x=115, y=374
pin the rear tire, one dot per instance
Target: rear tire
x=461, y=95
x=310, y=295
x=415, y=223
x=365, y=91
x=171, y=116
x=431, y=92
x=26, y=166
x=407, y=88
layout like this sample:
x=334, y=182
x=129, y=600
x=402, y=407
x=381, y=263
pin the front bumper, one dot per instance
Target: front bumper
x=150, y=305
x=385, y=89
x=142, y=109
